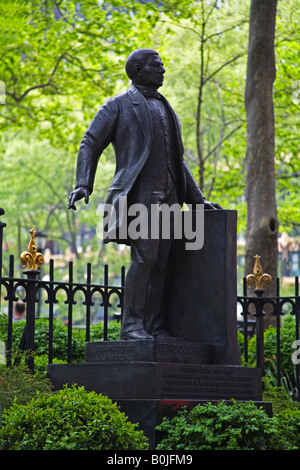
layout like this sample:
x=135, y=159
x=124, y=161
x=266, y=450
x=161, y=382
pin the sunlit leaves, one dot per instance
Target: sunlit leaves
x=60, y=61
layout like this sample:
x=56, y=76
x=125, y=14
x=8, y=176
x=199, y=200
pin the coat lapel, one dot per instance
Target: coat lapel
x=177, y=125
x=142, y=113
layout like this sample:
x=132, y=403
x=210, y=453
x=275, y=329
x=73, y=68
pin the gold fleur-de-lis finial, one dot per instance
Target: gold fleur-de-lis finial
x=31, y=258
x=258, y=277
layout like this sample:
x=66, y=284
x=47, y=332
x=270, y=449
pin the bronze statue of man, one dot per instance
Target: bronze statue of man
x=146, y=137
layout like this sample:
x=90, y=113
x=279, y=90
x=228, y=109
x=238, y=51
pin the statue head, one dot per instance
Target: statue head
x=144, y=67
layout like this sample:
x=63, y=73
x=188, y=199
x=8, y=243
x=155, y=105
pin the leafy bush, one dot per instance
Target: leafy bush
x=287, y=337
x=20, y=385
x=71, y=419
x=288, y=423
x=113, y=328
x=60, y=337
x=41, y=364
x=239, y=426
x=280, y=398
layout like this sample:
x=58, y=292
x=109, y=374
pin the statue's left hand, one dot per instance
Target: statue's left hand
x=211, y=205
x=76, y=195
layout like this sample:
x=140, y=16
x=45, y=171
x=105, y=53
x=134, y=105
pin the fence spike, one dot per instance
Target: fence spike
x=258, y=277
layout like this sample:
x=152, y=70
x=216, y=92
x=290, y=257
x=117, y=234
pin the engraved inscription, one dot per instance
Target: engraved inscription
x=183, y=352
x=119, y=352
x=199, y=382
x=150, y=351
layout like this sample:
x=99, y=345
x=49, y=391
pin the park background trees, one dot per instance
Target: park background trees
x=262, y=222
x=62, y=59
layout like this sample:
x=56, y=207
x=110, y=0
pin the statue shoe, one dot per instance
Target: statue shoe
x=164, y=335
x=138, y=334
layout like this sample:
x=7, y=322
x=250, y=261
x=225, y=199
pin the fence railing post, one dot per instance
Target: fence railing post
x=259, y=329
x=11, y=298
x=105, y=302
x=51, y=300
x=30, y=300
x=88, y=302
x=31, y=260
x=70, y=301
x=259, y=278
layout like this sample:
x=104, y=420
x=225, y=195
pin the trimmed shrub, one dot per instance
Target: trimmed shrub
x=238, y=426
x=20, y=385
x=70, y=419
x=288, y=423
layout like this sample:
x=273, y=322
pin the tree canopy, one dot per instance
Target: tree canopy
x=62, y=59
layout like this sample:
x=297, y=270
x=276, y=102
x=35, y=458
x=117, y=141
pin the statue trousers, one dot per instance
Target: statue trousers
x=145, y=280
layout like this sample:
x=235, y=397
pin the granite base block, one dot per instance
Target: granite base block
x=161, y=380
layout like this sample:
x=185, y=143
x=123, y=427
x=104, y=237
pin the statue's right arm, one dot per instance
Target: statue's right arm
x=97, y=137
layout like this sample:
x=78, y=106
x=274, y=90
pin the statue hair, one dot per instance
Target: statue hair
x=136, y=60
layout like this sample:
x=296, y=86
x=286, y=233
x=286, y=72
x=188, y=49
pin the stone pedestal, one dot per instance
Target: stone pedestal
x=150, y=379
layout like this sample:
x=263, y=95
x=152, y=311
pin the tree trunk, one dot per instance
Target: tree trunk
x=262, y=224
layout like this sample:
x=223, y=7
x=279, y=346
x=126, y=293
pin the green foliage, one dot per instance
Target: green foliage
x=62, y=60
x=41, y=363
x=206, y=88
x=60, y=337
x=3, y=327
x=288, y=425
x=287, y=113
x=20, y=385
x=287, y=337
x=61, y=57
x=97, y=331
x=287, y=367
x=71, y=419
x=240, y=426
x=279, y=397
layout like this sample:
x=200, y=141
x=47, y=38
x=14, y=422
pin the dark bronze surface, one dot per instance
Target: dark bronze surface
x=150, y=169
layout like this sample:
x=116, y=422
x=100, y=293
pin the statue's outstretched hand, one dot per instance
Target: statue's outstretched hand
x=76, y=195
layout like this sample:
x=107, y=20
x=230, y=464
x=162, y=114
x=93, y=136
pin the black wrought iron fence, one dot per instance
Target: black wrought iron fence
x=280, y=306
x=31, y=285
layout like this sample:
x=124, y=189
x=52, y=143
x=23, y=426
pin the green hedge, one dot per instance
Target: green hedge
x=60, y=337
x=71, y=419
x=287, y=337
x=18, y=384
x=239, y=426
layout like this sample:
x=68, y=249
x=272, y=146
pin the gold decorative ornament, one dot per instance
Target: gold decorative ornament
x=31, y=258
x=258, y=277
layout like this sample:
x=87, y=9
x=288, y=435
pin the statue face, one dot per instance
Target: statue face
x=152, y=73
